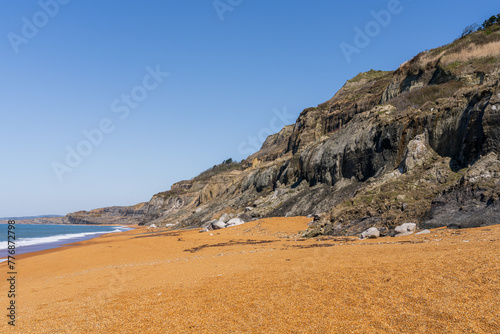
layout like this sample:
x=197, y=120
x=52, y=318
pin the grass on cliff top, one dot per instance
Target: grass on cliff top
x=218, y=169
x=226, y=166
x=170, y=193
x=478, y=45
x=370, y=75
x=354, y=90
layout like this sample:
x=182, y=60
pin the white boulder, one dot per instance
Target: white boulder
x=405, y=229
x=371, y=233
x=218, y=225
x=235, y=221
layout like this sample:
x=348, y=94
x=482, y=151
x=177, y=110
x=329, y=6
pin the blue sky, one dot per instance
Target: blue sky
x=227, y=80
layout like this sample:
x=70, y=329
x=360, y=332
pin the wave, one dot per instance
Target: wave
x=59, y=238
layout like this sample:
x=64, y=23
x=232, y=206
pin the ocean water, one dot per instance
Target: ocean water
x=33, y=238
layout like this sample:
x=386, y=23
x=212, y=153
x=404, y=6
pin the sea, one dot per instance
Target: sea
x=37, y=237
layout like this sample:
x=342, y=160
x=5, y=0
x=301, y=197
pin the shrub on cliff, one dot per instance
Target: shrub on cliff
x=492, y=21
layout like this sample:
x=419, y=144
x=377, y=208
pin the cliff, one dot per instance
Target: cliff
x=418, y=144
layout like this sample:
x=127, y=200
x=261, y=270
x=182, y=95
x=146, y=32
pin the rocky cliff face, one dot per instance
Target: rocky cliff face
x=111, y=215
x=419, y=144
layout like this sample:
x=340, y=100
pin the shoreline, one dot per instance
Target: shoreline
x=260, y=277
x=70, y=245
x=37, y=247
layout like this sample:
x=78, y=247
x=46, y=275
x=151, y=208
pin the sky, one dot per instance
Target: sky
x=106, y=103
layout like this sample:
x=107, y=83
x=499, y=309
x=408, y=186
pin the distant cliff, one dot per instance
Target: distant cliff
x=419, y=144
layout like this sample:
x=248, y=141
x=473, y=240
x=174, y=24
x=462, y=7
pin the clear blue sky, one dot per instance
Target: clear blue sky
x=225, y=79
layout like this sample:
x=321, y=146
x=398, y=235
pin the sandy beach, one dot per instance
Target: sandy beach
x=260, y=278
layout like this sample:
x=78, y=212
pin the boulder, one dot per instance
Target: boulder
x=218, y=225
x=208, y=226
x=371, y=233
x=423, y=232
x=234, y=222
x=416, y=152
x=405, y=229
x=224, y=218
x=208, y=223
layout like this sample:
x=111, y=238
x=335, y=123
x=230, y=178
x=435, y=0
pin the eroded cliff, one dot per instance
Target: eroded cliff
x=419, y=144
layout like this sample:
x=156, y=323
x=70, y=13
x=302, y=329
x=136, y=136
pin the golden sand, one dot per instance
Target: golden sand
x=252, y=278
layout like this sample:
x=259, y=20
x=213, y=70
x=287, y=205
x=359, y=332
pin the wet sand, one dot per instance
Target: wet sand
x=259, y=278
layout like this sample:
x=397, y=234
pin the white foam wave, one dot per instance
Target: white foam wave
x=58, y=238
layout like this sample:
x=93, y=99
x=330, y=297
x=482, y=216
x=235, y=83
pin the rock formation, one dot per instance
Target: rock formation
x=419, y=145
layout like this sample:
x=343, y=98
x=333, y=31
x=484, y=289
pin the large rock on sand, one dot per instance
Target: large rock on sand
x=235, y=221
x=371, y=233
x=208, y=226
x=405, y=229
x=218, y=225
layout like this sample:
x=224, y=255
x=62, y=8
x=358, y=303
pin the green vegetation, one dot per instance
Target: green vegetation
x=370, y=75
x=488, y=26
x=491, y=22
x=171, y=193
x=225, y=166
x=476, y=41
x=453, y=66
